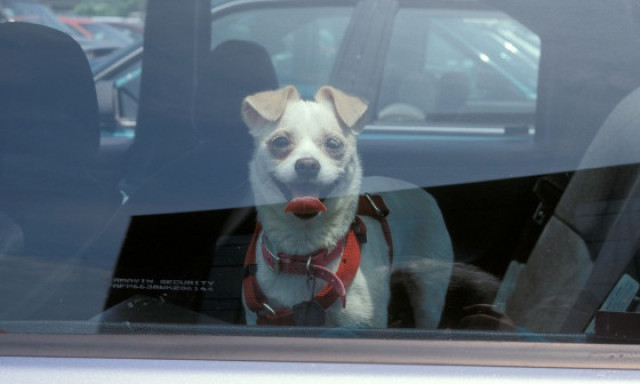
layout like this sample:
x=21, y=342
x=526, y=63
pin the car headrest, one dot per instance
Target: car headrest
x=48, y=106
x=234, y=69
x=617, y=140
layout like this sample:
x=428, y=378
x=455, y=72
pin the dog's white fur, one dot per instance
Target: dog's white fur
x=311, y=129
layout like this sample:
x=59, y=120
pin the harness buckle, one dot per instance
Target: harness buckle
x=269, y=309
x=276, y=263
x=376, y=209
x=276, y=259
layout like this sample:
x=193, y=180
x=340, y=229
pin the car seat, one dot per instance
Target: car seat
x=589, y=240
x=185, y=207
x=415, y=100
x=452, y=92
x=197, y=180
x=49, y=136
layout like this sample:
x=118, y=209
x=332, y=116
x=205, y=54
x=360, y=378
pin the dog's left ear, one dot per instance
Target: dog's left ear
x=349, y=109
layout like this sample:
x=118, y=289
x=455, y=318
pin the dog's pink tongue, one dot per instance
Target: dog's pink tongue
x=305, y=206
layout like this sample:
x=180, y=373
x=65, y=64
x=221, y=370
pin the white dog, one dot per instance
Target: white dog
x=310, y=263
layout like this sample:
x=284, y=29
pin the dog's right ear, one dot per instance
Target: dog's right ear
x=266, y=107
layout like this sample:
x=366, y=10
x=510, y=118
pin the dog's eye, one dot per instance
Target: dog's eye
x=333, y=144
x=279, y=142
x=280, y=146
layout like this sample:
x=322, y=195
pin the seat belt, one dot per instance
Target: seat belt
x=548, y=189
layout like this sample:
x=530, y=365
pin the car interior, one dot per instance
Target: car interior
x=544, y=226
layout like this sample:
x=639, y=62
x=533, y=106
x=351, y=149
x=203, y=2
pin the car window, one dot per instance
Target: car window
x=302, y=50
x=31, y=12
x=126, y=84
x=302, y=42
x=117, y=77
x=397, y=171
x=460, y=67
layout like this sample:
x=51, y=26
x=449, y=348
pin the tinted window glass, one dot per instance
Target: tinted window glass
x=302, y=42
x=466, y=68
x=464, y=117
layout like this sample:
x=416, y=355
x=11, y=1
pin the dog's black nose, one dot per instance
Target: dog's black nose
x=307, y=166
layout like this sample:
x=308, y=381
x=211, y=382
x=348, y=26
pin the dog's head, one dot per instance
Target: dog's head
x=305, y=155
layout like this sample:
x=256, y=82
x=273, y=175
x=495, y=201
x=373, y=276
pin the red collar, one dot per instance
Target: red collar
x=312, y=265
x=292, y=263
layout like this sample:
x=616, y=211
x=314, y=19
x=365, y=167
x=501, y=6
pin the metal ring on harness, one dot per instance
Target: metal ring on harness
x=269, y=309
x=377, y=209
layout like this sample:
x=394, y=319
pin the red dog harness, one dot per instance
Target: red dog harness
x=314, y=265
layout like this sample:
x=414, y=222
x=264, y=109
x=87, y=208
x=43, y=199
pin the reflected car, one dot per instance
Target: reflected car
x=96, y=31
x=488, y=59
x=133, y=27
x=35, y=12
